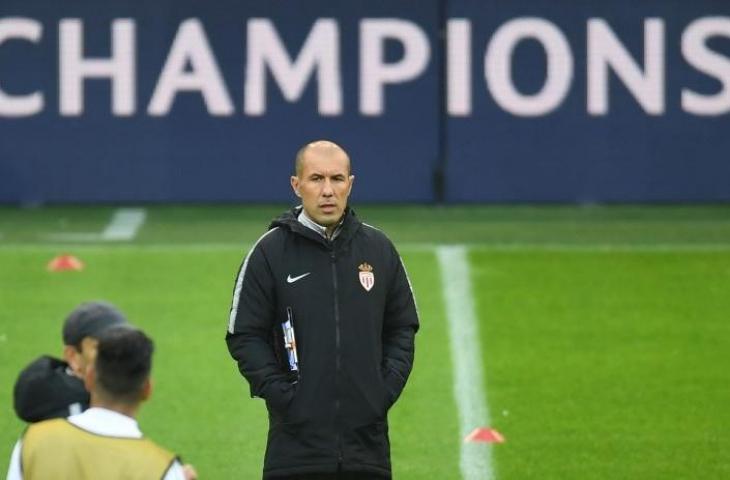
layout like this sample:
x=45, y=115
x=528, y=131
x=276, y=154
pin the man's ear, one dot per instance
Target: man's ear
x=71, y=356
x=352, y=181
x=294, y=180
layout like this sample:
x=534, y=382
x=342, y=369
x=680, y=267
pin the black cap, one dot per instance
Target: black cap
x=45, y=389
x=89, y=320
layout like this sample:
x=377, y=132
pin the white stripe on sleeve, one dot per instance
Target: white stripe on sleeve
x=239, y=283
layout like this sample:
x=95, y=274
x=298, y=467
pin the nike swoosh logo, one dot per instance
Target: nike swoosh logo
x=290, y=279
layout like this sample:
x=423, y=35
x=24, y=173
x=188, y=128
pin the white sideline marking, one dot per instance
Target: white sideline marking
x=124, y=224
x=469, y=393
x=571, y=247
x=82, y=240
x=80, y=237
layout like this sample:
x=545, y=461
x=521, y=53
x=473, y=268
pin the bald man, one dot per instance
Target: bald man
x=322, y=325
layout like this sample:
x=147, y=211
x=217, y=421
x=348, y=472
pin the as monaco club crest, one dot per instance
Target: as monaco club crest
x=367, y=278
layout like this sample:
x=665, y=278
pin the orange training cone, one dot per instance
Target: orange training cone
x=486, y=435
x=65, y=262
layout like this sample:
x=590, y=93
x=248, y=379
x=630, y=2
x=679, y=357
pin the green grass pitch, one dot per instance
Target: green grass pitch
x=605, y=332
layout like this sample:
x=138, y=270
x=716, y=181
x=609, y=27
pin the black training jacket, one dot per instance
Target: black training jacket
x=355, y=346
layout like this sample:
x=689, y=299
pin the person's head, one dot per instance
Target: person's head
x=120, y=374
x=81, y=330
x=323, y=180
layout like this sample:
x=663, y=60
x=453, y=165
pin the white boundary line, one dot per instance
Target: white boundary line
x=603, y=247
x=124, y=224
x=72, y=237
x=475, y=458
x=84, y=241
x=99, y=246
x=572, y=247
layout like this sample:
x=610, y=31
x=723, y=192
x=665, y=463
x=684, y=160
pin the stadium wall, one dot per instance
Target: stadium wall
x=458, y=100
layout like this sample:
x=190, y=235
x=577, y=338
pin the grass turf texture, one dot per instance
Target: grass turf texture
x=599, y=362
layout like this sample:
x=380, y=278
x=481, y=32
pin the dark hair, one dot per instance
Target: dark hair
x=123, y=363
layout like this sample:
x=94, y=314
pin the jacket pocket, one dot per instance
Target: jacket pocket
x=382, y=395
x=279, y=398
x=292, y=416
x=393, y=383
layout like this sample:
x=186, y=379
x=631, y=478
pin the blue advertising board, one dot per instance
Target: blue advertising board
x=522, y=101
x=635, y=109
x=190, y=101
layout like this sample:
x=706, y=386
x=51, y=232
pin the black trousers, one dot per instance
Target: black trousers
x=331, y=476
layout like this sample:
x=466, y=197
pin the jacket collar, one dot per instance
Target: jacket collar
x=305, y=220
x=346, y=229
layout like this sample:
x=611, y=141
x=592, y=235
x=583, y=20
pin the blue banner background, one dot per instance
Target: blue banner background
x=571, y=156
x=489, y=156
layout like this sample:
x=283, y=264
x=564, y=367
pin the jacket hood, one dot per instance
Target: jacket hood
x=287, y=219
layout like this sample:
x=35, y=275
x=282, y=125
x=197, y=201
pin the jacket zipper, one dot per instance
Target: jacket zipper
x=338, y=360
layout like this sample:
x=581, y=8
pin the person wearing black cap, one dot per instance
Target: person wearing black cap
x=105, y=441
x=53, y=388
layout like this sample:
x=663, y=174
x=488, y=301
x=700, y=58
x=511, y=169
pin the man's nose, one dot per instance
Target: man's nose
x=327, y=190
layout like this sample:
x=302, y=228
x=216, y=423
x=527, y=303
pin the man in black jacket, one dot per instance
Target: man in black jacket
x=322, y=325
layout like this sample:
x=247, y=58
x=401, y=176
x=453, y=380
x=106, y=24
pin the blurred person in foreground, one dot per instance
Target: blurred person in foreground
x=323, y=325
x=105, y=440
x=54, y=388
